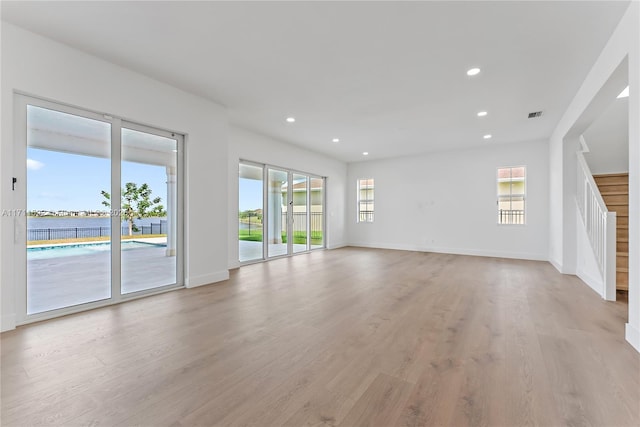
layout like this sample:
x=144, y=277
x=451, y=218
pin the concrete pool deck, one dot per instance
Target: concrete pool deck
x=54, y=283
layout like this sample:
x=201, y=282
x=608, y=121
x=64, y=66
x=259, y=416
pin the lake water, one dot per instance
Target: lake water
x=80, y=222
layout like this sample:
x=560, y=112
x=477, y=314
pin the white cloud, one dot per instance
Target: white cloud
x=34, y=165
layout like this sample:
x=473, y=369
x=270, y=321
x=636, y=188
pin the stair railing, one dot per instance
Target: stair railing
x=600, y=225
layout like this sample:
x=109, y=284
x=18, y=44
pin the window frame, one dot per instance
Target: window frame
x=366, y=216
x=21, y=102
x=511, y=195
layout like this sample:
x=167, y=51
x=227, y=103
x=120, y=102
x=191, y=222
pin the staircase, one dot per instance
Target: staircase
x=614, y=189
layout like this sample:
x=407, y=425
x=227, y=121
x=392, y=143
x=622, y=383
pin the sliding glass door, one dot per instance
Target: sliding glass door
x=300, y=212
x=287, y=208
x=102, y=201
x=149, y=213
x=250, y=212
x=68, y=247
x=316, y=222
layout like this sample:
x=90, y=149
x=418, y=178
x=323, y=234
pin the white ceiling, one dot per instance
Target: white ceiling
x=384, y=77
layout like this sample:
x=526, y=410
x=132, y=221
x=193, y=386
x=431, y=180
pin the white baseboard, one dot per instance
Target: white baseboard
x=207, y=279
x=456, y=251
x=8, y=322
x=556, y=264
x=595, y=283
x=338, y=246
x=633, y=336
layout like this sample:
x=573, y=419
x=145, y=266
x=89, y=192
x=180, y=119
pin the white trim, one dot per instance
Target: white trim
x=632, y=336
x=338, y=246
x=80, y=308
x=207, y=279
x=116, y=205
x=556, y=264
x=8, y=322
x=593, y=282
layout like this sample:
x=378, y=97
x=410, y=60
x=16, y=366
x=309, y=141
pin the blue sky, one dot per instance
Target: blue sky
x=62, y=181
x=250, y=194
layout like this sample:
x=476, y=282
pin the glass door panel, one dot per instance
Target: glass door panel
x=148, y=211
x=250, y=211
x=68, y=227
x=277, y=222
x=300, y=213
x=317, y=213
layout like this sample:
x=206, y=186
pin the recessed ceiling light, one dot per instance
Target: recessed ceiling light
x=473, y=71
x=175, y=151
x=487, y=136
x=624, y=93
x=291, y=119
x=365, y=153
x=482, y=113
x=335, y=140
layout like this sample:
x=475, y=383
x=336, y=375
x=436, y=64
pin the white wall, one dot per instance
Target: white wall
x=38, y=66
x=608, y=140
x=446, y=202
x=586, y=264
x=246, y=145
x=624, y=43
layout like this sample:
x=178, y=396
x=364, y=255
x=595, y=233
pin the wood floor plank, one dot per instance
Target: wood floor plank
x=381, y=403
x=344, y=337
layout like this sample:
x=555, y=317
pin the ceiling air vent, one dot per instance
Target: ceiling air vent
x=535, y=114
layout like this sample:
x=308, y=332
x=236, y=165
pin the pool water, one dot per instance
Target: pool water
x=46, y=252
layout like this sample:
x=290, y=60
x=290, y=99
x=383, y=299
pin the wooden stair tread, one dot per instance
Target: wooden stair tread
x=622, y=254
x=615, y=193
x=608, y=175
x=622, y=270
x=618, y=203
x=612, y=179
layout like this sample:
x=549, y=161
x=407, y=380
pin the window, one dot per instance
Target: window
x=365, y=200
x=511, y=195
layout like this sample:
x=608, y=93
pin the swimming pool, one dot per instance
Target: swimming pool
x=46, y=252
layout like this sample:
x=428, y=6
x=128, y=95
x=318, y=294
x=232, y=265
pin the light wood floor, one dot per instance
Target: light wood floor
x=350, y=337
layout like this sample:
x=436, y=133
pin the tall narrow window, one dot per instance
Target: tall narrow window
x=365, y=200
x=511, y=195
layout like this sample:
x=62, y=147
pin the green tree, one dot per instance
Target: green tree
x=136, y=203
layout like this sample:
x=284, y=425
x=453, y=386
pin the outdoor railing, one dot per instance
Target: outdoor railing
x=86, y=232
x=300, y=223
x=366, y=216
x=510, y=216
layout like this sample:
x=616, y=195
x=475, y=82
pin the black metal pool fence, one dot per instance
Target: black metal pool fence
x=84, y=232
